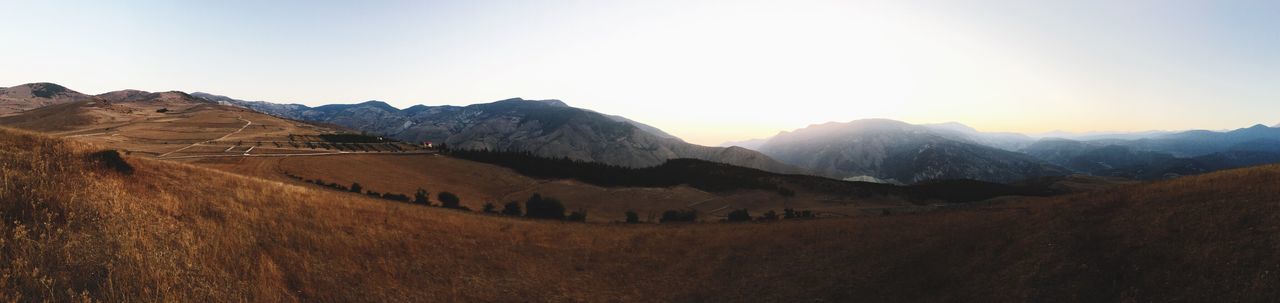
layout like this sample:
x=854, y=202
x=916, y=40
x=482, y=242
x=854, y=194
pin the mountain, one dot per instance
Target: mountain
x=1101, y=135
x=1203, y=142
x=1164, y=156
x=748, y=144
x=36, y=95
x=548, y=128
x=1002, y=140
x=899, y=152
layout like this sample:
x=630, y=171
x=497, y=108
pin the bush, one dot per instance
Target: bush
x=512, y=209
x=489, y=208
x=679, y=216
x=449, y=200
x=356, y=188
x=633, y=217
x=740, y=215
x=395, y=197
x=544, y=208
x=769, y=216
x=422, y=197
x=111, y=159
x=579, y=215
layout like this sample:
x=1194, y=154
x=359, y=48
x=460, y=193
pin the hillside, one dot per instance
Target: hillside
x=36, y=95
x=79, y=224
x=548, y=128
x=177, y=125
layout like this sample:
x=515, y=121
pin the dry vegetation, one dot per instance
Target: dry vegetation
x=77, y=229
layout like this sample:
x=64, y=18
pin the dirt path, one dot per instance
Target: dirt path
x=241, y=118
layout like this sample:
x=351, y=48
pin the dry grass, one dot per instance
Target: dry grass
x=75, y=230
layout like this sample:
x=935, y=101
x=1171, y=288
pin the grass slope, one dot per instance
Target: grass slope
x=76, y=228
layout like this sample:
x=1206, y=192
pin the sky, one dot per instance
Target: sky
x=706, y=71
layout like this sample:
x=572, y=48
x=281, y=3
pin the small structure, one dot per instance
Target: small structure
x=426, y=144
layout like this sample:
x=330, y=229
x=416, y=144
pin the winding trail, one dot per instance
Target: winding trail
x=241, y=117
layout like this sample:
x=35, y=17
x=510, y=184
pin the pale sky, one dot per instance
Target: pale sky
x=707, y=71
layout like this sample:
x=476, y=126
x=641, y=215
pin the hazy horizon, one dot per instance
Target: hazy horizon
x=706, y=71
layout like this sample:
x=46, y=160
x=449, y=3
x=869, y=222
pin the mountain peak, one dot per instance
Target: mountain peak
x=45, y=89
x=1259, y=126
x=551, y=102
x=953, y=126
x=379, y=104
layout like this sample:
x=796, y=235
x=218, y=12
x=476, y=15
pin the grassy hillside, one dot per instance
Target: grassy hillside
x=78, y=226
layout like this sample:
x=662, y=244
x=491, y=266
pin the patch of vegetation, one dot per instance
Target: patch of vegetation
x=699, y=174
x=353, y=138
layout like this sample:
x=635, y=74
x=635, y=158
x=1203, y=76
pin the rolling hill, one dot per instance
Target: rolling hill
x=81, y=224
x=36, y=95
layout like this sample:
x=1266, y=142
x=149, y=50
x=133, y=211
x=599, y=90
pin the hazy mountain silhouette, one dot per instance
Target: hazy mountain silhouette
x=903, y=153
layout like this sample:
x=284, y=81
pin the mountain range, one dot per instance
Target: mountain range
x=875, y=150
x=548, y=128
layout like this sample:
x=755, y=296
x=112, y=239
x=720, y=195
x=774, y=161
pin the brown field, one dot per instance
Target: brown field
x=479, y=183
x=80, y=229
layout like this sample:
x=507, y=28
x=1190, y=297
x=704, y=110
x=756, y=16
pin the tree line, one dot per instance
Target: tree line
x=704, y=175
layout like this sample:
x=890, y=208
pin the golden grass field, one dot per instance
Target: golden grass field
x=76, y=229
x=478, y=183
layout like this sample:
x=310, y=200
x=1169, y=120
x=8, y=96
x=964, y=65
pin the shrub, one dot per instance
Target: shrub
x=633, y=217
x=740, y=215
x=110, y=159
x=489, y=208
x=422, y=197
x=679, y=216
x=449, y=200
x=395, y=197
x=512, y=209
x=544, y=208
x=356, y=188
x=769, y=216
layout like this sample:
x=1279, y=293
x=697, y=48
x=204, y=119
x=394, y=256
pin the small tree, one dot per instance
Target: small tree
x=489, y=208
x=356, y=188
x=544, y=208
x=512, y=209
x=679, y=216
x=633, y=217
x=449, y=200
x=769, y=216
x=579, y=215
x=422, y=197
x=740, y=215
x=788, y=213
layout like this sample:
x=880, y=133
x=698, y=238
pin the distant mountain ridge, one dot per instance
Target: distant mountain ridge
x=1164, y=156
x=548, y=128
x=898, y=152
